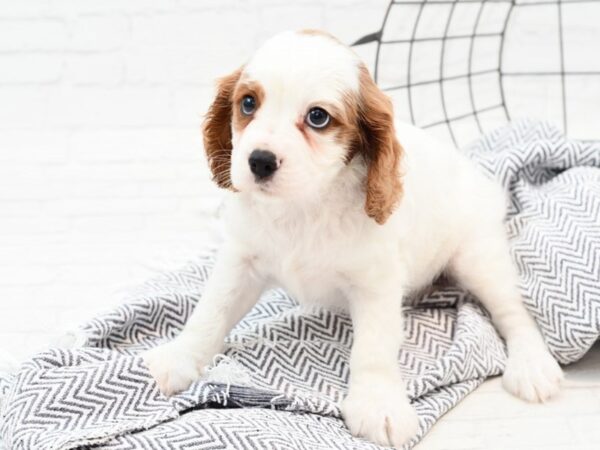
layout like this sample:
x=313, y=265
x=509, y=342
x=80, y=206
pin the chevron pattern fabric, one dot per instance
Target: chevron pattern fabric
x=284, y=369
x=554, y=226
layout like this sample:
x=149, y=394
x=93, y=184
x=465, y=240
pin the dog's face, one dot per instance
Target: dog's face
x=284, y=125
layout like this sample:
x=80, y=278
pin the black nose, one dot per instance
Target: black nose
x=262, y=164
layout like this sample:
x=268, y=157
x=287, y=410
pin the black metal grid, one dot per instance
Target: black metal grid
x=477, y=33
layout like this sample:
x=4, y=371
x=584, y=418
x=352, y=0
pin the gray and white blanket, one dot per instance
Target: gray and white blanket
x=284, y=369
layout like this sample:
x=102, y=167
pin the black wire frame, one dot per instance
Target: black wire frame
x=512, y=5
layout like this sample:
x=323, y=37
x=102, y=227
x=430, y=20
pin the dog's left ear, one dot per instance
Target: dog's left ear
x=217, y=130
x=380, y=148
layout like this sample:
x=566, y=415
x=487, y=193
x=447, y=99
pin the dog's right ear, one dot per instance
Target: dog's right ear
x=217, y=130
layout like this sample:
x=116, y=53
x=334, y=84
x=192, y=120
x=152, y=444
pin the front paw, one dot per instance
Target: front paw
x=381, y=413
x=532, y=374
x=174, y=366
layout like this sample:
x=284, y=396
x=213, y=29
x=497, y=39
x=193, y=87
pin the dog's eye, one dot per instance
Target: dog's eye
x=248, y=105
x=317, y=118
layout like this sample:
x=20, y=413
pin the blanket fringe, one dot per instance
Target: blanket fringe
x=228, y=371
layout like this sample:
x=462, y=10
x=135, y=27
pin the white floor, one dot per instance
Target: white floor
x=491, y=419
x=49, y=283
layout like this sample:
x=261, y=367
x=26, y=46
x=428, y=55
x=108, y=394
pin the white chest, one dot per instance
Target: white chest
x=313, y=265
x=312, y=255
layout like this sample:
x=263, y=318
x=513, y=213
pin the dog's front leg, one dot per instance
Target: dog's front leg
x=231, y=291
x=377, y=406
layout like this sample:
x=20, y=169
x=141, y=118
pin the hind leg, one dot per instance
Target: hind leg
x=484, y=267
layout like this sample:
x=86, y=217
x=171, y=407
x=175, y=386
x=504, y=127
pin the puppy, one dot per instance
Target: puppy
x=332, y=200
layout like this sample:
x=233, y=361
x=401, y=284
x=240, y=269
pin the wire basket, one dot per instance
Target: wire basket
x=463, y=67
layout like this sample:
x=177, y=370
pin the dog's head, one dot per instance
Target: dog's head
x=285, y=124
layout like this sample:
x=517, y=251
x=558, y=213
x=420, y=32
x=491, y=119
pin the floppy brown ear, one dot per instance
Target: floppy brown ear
x=217, y=130
x=380, y=148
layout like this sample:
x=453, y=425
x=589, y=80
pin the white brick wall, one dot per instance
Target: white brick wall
x=102, y=175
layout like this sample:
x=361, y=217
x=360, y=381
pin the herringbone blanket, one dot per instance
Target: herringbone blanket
x=285, y=369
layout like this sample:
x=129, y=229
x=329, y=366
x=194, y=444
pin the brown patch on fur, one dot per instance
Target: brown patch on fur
x=373, y=136
x=315, y=32
x=302, y=127
x=338, y=124
x=348, y=131
x=217, y=130
x=243, y=88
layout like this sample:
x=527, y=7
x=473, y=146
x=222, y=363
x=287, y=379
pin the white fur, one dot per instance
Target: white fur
x=296, y=74
x=308, y=232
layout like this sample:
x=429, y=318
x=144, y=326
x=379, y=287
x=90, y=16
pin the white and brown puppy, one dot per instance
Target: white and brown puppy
x=332, y=200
